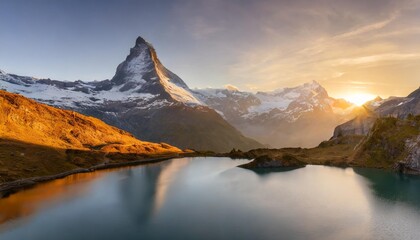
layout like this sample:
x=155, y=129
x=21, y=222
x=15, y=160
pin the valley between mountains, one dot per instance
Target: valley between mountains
x=50, y=126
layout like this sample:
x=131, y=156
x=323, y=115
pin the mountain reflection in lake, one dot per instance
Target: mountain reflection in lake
x=210, y=198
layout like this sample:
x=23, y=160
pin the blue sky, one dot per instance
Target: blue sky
x=348, y=46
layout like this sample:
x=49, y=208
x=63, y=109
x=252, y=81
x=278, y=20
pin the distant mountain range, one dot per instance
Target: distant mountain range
x=151, y=102
x=301, y=116
x=143, y=98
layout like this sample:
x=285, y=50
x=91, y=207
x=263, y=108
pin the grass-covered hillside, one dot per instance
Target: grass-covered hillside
x=391, y=143
x=38, y=140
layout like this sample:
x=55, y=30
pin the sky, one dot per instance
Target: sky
x=349, y=46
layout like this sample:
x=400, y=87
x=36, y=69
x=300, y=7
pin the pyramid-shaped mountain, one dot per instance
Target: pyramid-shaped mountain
x=143, y=98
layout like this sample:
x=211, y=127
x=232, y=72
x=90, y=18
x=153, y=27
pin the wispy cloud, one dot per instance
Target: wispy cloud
x=201, y=29
x=364, y=54
x=367, y=28
x=377, y=58
x=277, y=43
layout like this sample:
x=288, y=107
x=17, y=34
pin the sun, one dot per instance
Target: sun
x=359, y=98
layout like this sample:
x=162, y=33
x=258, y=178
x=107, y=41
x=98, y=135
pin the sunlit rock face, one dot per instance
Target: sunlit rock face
x=143, y=98
x=302, y=116
x=360, y=125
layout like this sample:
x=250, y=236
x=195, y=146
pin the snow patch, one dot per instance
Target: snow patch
x=178, y=93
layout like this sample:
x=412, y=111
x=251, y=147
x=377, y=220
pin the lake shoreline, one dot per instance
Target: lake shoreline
x=150, y=197
x=9, y=188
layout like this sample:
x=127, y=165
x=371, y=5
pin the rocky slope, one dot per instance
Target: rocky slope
x=399, y=107
x=143, y=98
x=36, y=140
x=302, y=116
x=392, y=143
x=25, y=120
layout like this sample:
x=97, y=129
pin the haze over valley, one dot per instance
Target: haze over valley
x=209, y=119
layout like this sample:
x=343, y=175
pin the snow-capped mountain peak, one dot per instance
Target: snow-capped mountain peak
x=314, y=84
x=269, y=116
x=286, y=103
x=143, y=71
x=305, y=90
x=131, y=71
x=141, y=41
x=140, y=79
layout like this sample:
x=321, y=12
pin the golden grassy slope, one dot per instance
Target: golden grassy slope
x=386, y=144
x=28, y=121
x=39, y=140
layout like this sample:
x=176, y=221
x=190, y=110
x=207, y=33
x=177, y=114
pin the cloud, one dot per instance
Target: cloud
x=270, y=44
x=336, y=48
x=201, y=29
x=367, y=28
x=377, y=58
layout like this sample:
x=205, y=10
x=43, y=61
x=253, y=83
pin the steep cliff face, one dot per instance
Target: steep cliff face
x=412, y=147
x=391, y=143
x=360, y=125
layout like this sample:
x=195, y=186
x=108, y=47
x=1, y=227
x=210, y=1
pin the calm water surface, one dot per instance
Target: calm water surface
x=210, y=198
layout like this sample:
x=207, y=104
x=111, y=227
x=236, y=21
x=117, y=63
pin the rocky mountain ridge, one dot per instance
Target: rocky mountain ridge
x=301, y=116
x=143, y=98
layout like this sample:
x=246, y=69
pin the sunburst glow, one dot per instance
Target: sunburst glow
x=359, y=98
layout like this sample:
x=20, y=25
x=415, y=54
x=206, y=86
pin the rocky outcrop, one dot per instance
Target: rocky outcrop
x=391, y=143
x=280, y=161
x=360, y=125
x=412, y=147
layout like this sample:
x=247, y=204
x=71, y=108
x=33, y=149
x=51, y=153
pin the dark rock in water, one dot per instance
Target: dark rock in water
x=281, y=161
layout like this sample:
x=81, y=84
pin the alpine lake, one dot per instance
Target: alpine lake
x=212, y=198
